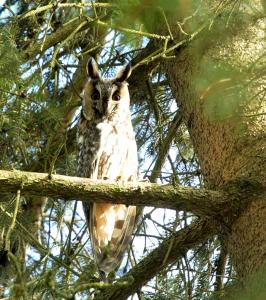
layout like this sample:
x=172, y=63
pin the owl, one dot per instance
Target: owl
x=107, y=150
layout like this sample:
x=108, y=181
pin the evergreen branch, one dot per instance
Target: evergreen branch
x=94, y=5
x=58, y=36
x=21, y=95
x=201, y=202
x=61, y=44
x=163, y=51
x=83, y=23
x=44, y=8
x=37, y=245
x=133, y=31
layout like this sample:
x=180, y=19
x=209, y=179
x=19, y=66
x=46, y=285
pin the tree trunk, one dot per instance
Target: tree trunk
x=226, y=149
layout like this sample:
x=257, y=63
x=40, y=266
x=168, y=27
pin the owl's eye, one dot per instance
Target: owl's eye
x=116, y=97
x=95, y=95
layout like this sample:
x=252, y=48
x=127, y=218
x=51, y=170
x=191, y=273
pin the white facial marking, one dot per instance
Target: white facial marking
x=114, y=88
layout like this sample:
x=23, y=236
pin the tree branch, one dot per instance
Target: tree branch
x=169, y=251
x=44, y=8
x=61, y=34
x=165, y=147
x=201, y=202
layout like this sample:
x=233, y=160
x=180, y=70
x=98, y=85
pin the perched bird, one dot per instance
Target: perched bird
x=107, y=150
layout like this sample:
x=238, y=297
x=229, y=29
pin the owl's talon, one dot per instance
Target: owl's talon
x=146, y=179
x=118, y=179
x=121, y=182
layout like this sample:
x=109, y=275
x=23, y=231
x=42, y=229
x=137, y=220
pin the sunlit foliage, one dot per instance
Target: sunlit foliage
x=43, y=53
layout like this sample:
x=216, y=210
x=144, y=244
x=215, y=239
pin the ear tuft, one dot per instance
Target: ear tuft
x=92, y=69
x=124, y=73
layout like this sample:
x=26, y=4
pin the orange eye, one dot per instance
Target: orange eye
x=116, y=97
x=95, y=95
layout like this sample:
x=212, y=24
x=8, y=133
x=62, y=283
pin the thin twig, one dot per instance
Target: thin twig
x=13, y=222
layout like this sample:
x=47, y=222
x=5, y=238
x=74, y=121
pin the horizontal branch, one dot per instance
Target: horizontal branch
x=169, y=251
x=201, y=202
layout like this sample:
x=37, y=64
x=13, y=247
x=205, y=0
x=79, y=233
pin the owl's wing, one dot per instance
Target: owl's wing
x=111, y=228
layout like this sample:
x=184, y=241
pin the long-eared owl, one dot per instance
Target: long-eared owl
x=107, y=150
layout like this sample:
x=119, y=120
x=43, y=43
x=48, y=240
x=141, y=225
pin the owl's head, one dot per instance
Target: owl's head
x=104, y=98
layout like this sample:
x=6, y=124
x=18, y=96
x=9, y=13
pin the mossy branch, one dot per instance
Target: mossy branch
x=201, y=202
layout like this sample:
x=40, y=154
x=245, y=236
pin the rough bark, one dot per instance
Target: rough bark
x=202, y=202
x=227, y=149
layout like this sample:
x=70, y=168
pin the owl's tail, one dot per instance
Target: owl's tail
x=111, y=228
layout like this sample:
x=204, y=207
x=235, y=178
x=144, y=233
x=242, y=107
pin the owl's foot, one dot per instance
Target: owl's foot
x=146, y=179
x=118, y=179
x=121, y=182
x=107, y=278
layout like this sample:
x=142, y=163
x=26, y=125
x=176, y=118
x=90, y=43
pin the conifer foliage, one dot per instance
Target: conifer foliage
x=197, y=93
